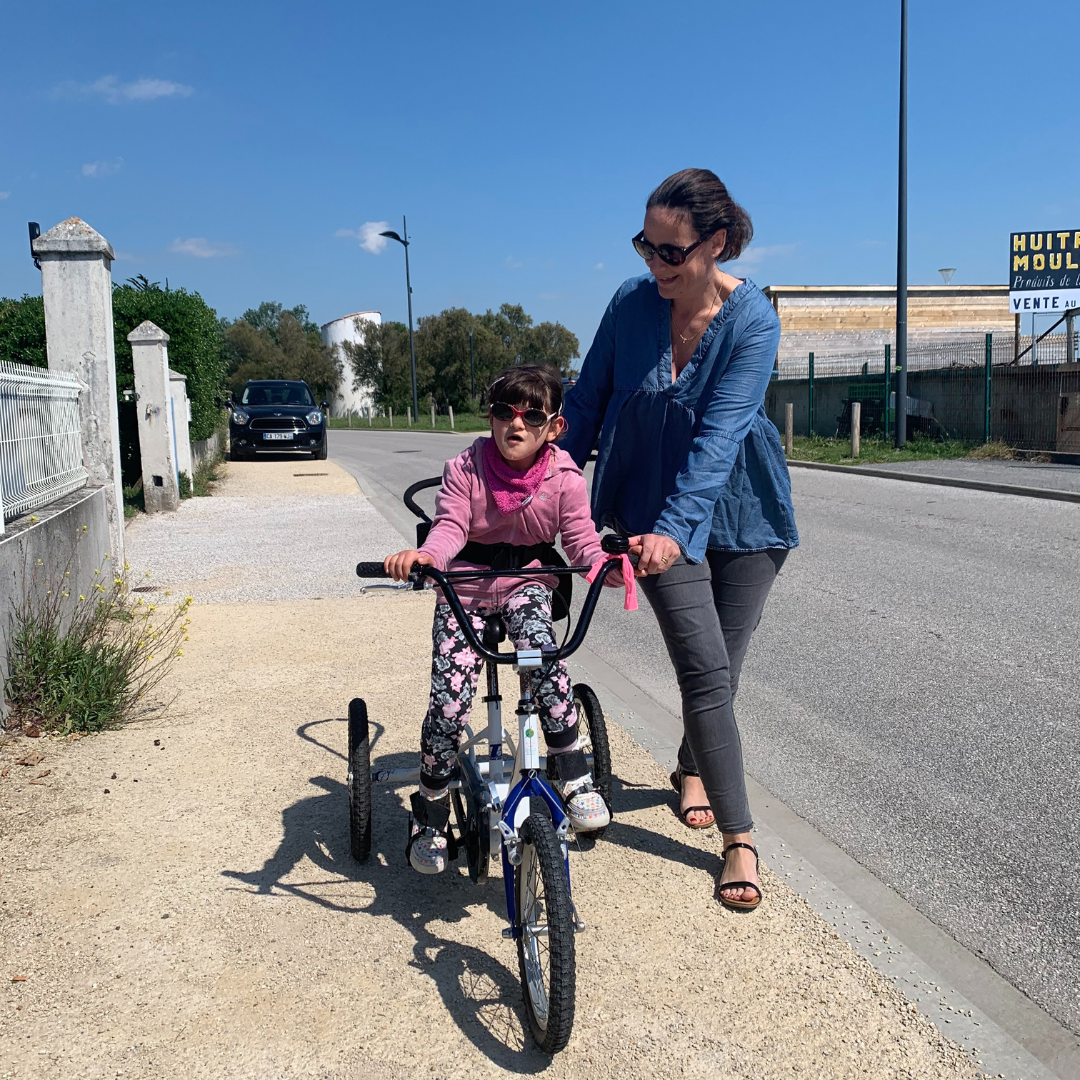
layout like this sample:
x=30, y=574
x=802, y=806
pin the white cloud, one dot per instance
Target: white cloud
x=112, y=90
x=511, y=263
x=202, y=248
x=103, y=168
x=599, y=266
x=754, y=258
x=368, y=235
x=4, y=194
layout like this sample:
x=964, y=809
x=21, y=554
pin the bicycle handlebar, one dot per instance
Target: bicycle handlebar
x=613, y=545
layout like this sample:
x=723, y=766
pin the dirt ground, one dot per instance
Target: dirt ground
x=178, y=899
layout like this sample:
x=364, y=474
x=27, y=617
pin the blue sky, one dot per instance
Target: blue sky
x=238, y=149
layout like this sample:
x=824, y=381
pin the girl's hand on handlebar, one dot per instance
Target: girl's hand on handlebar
x=655, y=553
x=399, y=566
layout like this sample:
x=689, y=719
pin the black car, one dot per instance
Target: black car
x=277, y=414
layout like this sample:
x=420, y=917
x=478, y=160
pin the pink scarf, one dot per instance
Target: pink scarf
x=511, y=488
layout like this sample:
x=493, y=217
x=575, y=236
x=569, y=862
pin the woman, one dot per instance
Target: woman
x=690, y=468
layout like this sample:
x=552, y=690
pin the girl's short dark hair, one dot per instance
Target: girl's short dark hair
x=536, y=385
x=701, y=195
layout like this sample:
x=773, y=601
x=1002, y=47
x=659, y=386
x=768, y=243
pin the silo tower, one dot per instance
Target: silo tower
x=348, y=328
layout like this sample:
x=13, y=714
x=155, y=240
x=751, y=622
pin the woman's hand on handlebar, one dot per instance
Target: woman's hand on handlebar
x=655, y=553
x=399, y=566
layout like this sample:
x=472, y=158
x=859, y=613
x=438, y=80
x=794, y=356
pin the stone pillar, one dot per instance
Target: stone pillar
x=181, y=417
x=150, y=359
x=76, y=284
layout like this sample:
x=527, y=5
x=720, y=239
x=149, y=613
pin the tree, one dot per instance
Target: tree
x=272, y=342
x=501, y=339
x=22, y=331
x=381, y=364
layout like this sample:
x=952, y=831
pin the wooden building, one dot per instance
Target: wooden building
x=829, y=320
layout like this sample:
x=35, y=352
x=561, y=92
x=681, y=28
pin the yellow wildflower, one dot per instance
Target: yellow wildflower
x=81, y=597
x=34, y=520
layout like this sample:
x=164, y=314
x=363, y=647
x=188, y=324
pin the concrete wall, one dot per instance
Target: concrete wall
x=69, y=534
x=1025, y=401
x=207, y=448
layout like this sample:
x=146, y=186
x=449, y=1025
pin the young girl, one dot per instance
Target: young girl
x=518, y=488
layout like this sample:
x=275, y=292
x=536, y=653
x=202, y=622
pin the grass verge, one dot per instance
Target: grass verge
x=875, y=451
x=462, y=422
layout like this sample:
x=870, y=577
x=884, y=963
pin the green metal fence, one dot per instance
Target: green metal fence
x=975, y=390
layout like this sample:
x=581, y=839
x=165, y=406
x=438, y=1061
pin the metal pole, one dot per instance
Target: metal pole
x=888, y=389
x=472, y=369
x=1070, y=347
x=811, y=390
x=412, y=346
x=901, y=245
x=989, y=380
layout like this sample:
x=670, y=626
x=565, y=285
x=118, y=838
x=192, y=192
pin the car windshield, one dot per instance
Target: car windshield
x=277, y=393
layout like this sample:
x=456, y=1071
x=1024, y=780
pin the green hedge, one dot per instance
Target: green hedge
x=194, y=345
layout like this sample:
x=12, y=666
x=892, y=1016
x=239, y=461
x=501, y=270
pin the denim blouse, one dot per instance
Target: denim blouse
x=696, y=460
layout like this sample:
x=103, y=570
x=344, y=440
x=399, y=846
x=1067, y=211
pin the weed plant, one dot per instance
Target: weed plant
x=85, y=662
x=206, y=473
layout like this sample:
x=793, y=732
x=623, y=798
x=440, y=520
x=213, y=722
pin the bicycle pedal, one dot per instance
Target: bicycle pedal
x=507, y=932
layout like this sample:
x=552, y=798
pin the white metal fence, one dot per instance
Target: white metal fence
x=41, y=457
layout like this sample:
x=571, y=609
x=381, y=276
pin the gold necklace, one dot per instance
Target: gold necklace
x=687, y=337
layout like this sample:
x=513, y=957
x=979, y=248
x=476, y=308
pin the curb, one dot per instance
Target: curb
x=943, y=481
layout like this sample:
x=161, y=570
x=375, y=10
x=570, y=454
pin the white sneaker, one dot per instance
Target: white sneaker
x=585, y=808
x=428, y=847
x=428, y=852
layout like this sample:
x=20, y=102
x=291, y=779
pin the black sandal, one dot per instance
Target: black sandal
x=740, y=905
x=676, y=783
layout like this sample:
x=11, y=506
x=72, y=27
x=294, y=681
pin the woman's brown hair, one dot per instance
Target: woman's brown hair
x=702, y=197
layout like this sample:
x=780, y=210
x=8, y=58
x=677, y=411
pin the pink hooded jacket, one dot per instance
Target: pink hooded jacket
x=465, y=510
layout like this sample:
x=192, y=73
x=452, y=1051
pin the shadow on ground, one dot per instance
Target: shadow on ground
x=480, y=993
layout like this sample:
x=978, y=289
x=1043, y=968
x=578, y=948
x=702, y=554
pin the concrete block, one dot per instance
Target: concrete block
x=157, y=435
x=181, y=416
x=76, y=284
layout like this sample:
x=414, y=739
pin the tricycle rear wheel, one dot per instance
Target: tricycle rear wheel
x=359, y=781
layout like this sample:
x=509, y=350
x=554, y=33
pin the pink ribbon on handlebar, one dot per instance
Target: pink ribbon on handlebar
x=629, y=581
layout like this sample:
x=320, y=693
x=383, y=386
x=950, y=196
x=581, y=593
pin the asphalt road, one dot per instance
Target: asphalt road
x=912, y=691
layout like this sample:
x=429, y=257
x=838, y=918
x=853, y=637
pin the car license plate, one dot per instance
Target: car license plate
x=277, y=434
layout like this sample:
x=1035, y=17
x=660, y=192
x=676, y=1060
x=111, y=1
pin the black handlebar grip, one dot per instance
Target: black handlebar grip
x=614, y=544
x=370, y=569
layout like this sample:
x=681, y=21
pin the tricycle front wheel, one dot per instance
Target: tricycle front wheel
x=546, y=953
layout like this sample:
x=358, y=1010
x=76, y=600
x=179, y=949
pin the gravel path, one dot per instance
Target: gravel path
x=177, y=898
x=268, y=538
x=190, y=908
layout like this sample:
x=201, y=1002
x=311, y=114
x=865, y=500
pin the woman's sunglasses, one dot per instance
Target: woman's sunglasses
x=537, y=418
x=672, y=254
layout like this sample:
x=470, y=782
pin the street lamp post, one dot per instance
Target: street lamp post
x=901, y=246
x=404, y=242
x=472, y=369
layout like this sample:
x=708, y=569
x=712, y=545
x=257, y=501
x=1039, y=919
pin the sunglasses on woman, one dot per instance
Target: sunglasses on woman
x=537, y=418
x=671, y=254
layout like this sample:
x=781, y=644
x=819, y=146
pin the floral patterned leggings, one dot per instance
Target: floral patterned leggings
x=455, y=671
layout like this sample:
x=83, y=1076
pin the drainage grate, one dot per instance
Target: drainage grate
x=149, y=588
x=311, y=474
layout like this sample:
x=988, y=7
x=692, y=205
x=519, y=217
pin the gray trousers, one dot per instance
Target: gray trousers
x=707, y=613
